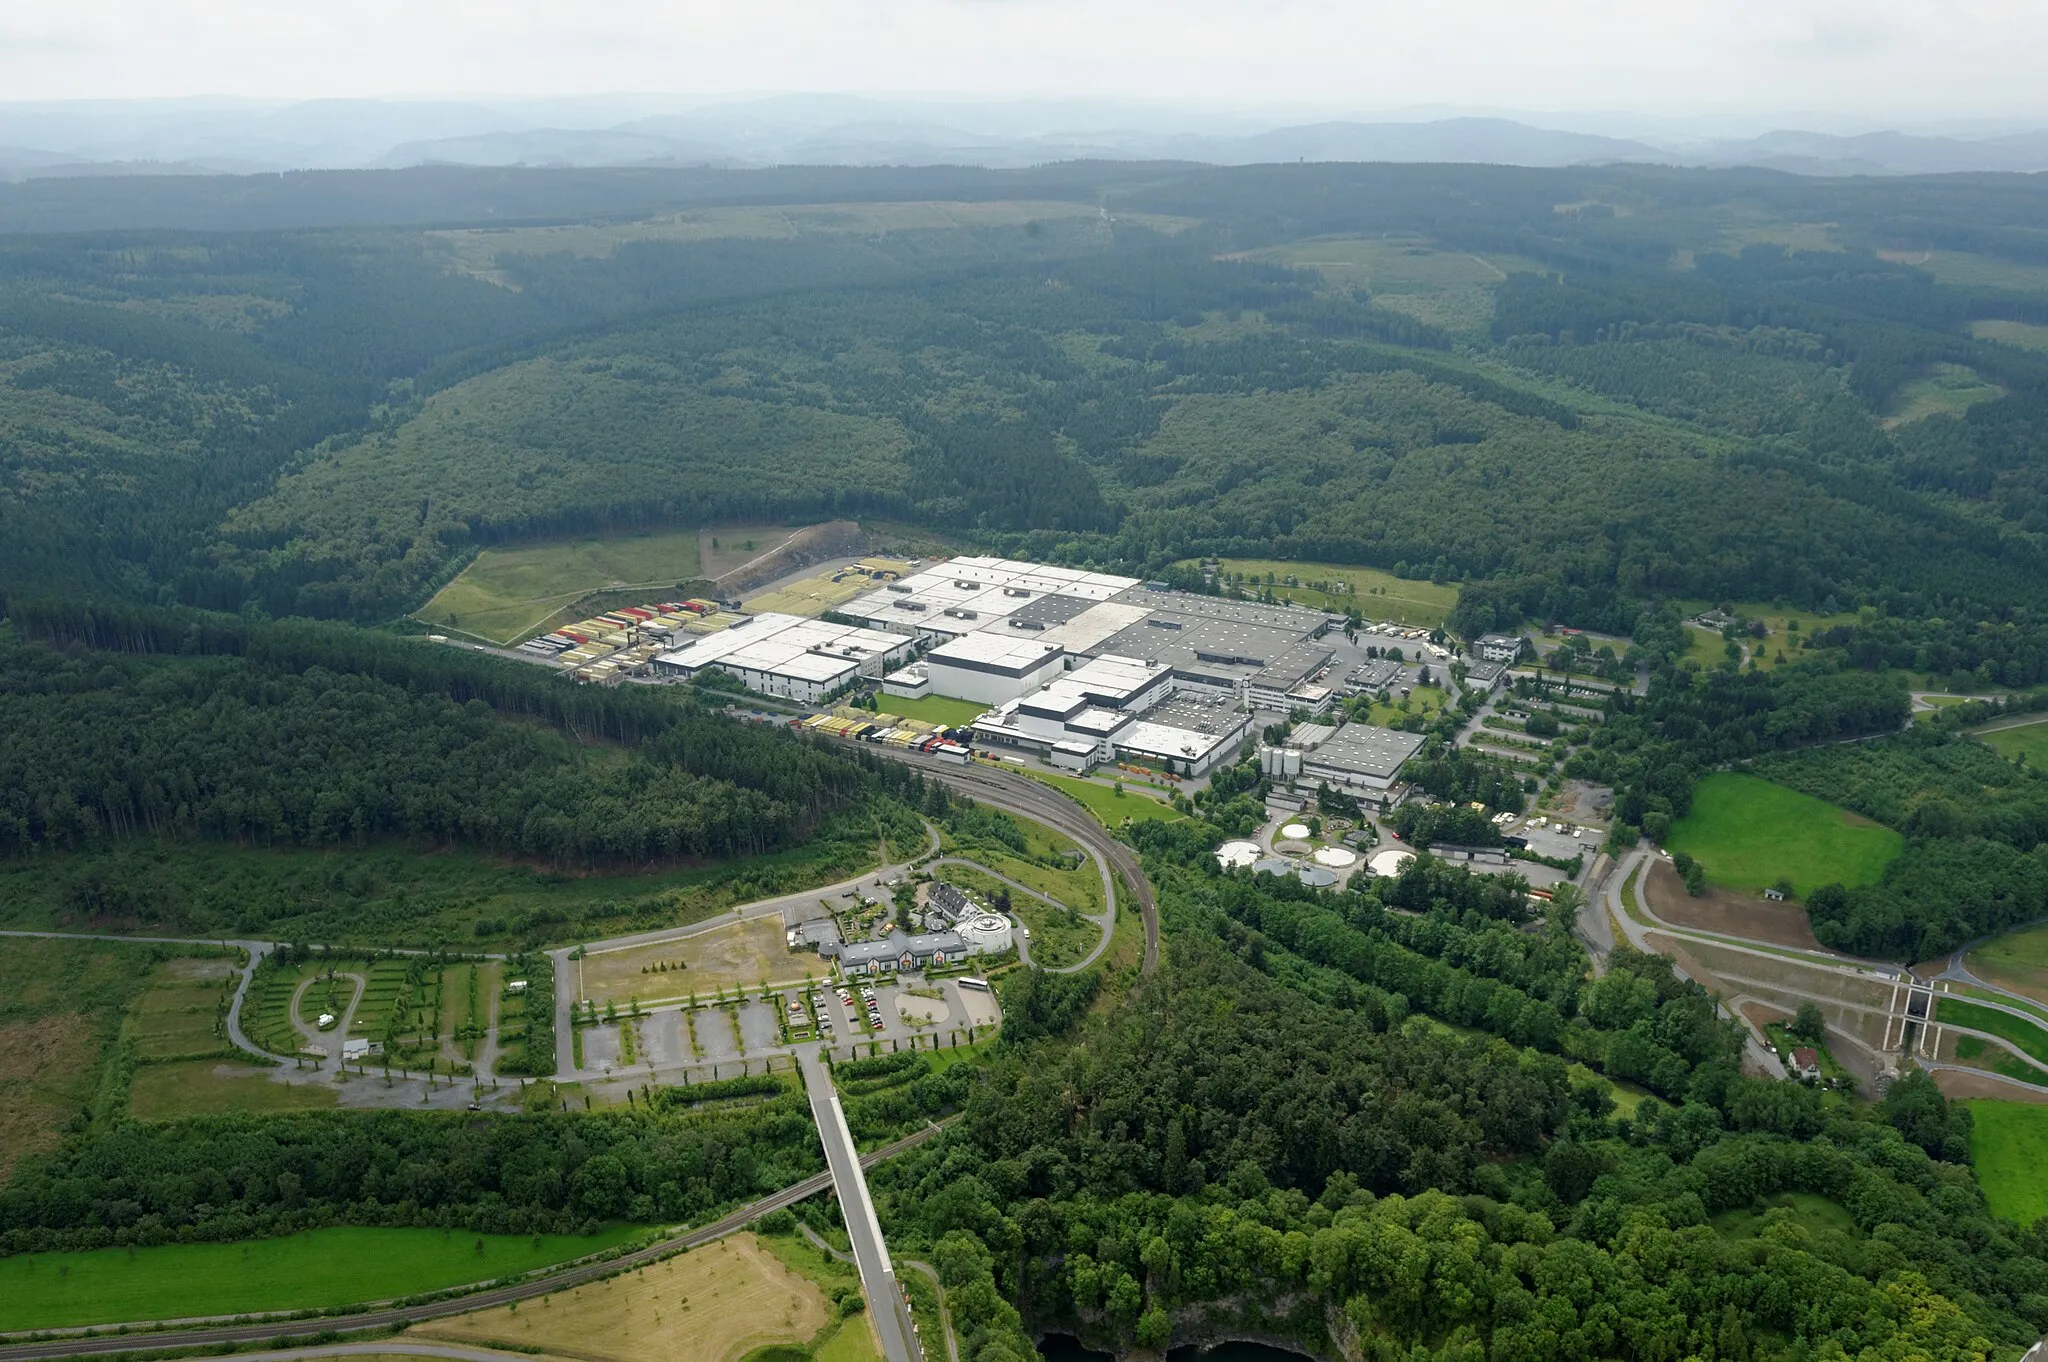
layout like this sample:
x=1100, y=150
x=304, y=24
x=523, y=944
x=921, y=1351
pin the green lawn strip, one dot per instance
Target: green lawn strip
x=1975, y=1053
x=1109, y=807
x=2028, y=742
x=2009, y=1146
x=2031, y=1039
x=1748, y=832
x=312, y=1270
x=932, y=709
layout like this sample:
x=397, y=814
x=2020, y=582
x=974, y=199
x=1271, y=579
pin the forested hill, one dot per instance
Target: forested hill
x=1590, y=387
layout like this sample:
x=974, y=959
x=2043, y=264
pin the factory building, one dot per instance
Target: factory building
x=989, y=668
x=787, y=655
x=1362, y=760
x=1186, y=736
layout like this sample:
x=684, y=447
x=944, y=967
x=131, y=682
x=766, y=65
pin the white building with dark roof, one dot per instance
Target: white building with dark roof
x=990, y=668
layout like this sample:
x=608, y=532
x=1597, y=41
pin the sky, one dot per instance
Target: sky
x=1886, y=62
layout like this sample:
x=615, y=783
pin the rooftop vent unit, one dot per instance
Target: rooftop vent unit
x=966, y=585
x=1027, y=624
x=907, y=605
x=1157, y=623
x=899, y=586
x=960, y=614
x=1017, y=591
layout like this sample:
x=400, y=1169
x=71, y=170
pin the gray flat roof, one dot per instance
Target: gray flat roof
x=1367, y=749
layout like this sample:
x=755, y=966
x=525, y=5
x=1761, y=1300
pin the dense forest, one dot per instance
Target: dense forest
x=1262, y=1138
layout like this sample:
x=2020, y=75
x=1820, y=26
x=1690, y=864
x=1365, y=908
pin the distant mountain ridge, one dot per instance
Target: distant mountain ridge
x=197, y=137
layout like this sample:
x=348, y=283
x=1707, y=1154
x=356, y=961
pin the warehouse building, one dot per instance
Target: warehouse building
x=1125, y=683
x=787, y=655
x=1056, y=723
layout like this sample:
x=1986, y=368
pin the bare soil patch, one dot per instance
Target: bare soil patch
x=1957, y=1083
x=1719, y=910
x=713, y=1304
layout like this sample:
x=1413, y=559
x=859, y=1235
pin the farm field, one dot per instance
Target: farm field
x=2028, y=741
x=739, y=955
x=1375, y=594
x=713, y=1304
x=2009, y=1146
x=1949, y=390
x=507, y=593
x=1109, y=807
x=1748, y=832
x=932, y=709
x=318, y=1268
x=211, y=1087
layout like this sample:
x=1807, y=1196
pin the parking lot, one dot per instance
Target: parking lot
x=685, y=1044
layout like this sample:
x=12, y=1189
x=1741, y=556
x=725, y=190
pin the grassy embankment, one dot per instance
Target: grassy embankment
x=506, y=594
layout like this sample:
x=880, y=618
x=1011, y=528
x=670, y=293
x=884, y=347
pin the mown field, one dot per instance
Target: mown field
x=2009, y=1146
x=713, y=1304
x=319, y=1268
x=1946, y=390
x=2016, y=960
x=1748, y=832
x=1449, y=288
x=507, y=593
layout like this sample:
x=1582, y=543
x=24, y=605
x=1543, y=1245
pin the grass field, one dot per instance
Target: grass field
x=1055, y=940
x=737, y=955
x=211, y=1087
x=1709, y=649
x=2025, y=335
x=2009, y=1146
x=1330, y=586
x=1421, y=700
x=1949, y=390
x=1748, y=832
x=1109, y=807
x=712, y=1304
x=2026, y=741
x=302, y=1271
x=507, y=593
x=1447, y=288
x=2017, y=960
x=1959, y=267
x=933, y=709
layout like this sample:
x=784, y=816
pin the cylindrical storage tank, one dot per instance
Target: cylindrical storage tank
x=1291, y=760
x=985, y=933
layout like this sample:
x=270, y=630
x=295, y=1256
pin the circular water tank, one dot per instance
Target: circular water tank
x=1237, y=855
x=1316, y=877
x=1337, y=858
x=1390, y=861
x=985, y=933
x=1295, y=831
x=1274, y=865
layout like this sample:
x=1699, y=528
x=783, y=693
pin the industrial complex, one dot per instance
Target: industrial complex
x=1073, y=668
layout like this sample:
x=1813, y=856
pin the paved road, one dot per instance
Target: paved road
x=886, y=1306
x=255, y=951
x=398, y=1317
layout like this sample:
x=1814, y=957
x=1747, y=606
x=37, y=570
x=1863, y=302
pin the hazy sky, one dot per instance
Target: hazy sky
x=1886, y=59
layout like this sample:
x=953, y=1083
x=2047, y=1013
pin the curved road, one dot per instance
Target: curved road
x=254, y=950
x=1035, y=800
x=397, y=1317
x=1105, y=921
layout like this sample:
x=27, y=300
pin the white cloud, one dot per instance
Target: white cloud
x=1876, y=57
